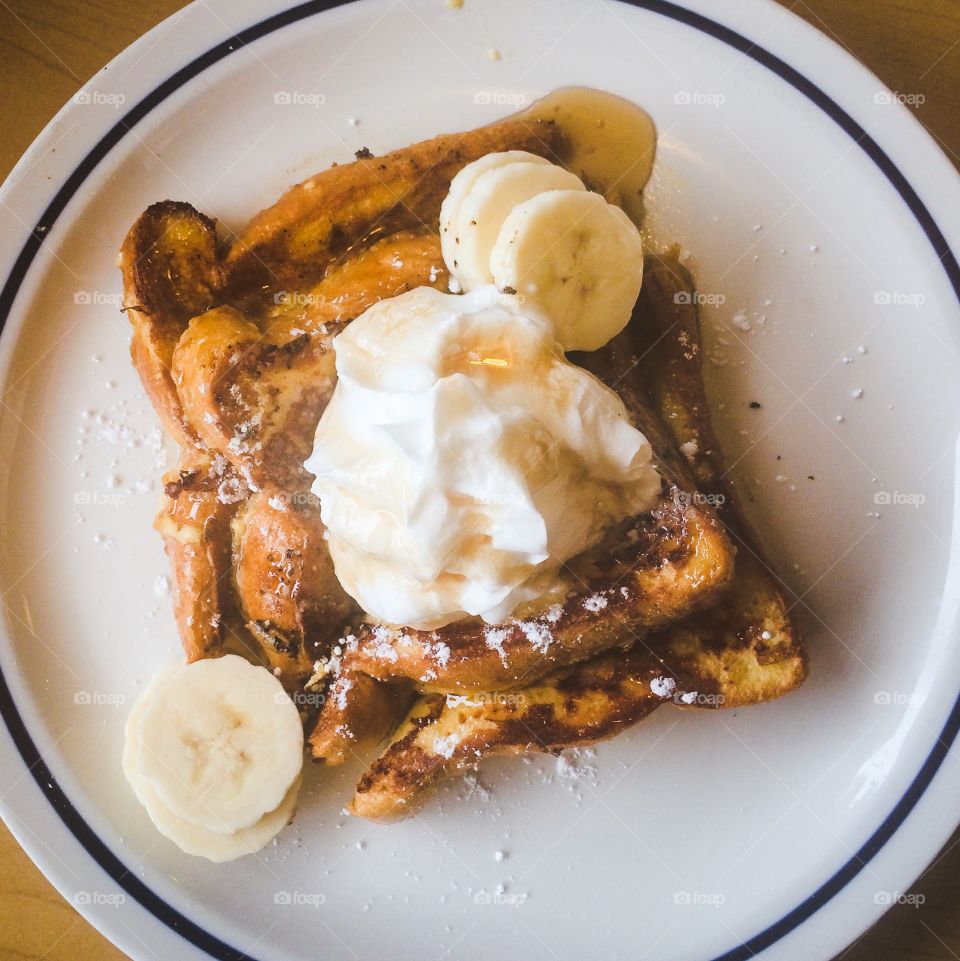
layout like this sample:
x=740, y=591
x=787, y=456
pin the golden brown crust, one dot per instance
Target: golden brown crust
x=289, y=246
x=285, y=586
x=446, y=733
x=171, y=272
x=659, y=567
x=250, y=386
x=358, y=713
x=747, y=648
x=255, y=391
x=194, y=521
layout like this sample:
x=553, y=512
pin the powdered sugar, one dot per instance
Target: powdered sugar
x=539, y=635
x=445, y=746
x=494, y=637
x=381, y=648
x=595, y=603
x=341, y=688
x=554, y=613
x=663, y=686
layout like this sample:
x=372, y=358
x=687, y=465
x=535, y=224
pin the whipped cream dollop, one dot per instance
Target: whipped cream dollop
x=462, y=459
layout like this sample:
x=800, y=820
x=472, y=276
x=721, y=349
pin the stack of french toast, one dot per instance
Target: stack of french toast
x=233, y=340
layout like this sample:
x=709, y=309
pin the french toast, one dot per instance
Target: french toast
x=251, y=384
x=290, y=245
x=234, y=346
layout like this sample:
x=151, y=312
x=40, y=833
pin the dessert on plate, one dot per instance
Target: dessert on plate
x=447, y=483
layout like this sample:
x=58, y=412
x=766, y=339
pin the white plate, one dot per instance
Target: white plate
x=809, y=200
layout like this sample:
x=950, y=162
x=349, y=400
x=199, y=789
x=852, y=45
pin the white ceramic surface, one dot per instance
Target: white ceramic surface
x=824, y=301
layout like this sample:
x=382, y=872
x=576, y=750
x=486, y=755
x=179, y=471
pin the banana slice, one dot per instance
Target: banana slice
x=575, y=257
x=460, y=186
x=219, y=742
x=193, y=839
x=487, y=205
x=130, y=767
x=190, y=837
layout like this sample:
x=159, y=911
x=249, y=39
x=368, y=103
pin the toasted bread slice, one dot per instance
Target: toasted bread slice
x=648, y=572
x=358, y=712
x=199, y=501
x=254, y=386
x=286, y=589
x=171, y=272
x=445, y=733
x=747, y=648
x=743, y=650
x=244, y=389
x=288, y=246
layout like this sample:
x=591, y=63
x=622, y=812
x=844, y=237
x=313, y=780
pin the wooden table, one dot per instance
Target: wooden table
x=49, y=48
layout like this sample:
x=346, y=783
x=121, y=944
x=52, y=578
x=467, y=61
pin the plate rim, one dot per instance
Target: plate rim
x=16, y=732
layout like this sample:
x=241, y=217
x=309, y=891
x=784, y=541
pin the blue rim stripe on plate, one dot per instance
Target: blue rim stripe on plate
x=82, y=831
